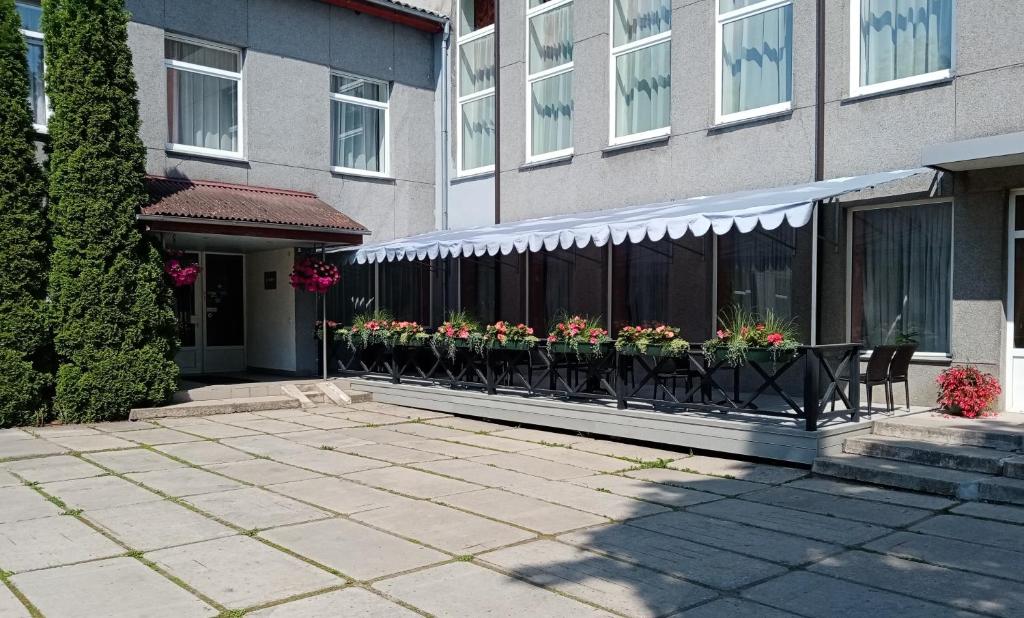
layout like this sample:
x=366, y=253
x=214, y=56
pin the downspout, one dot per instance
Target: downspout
x=819, y=163
x=446, y=115
x=497, y=112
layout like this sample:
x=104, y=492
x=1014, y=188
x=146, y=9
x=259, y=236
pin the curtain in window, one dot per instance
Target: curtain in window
x=551, y=39
x=903, y=38
x=757, y=61
x=643, y=80
x=552, y=105
x=476, y=65
x=478, y=133
x=358, y=136
x=203, y=110
x=633, y=20
x=756, y=270
x=36, y=91
x=901, y=272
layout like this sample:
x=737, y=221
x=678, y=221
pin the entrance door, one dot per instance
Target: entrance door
x=224, y=313
x=187, y=309
x=1015, y=304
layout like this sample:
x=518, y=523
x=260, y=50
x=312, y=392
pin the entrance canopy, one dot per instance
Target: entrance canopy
x=743, y=210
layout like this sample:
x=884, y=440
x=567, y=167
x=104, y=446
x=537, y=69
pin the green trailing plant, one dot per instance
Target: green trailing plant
x=459, y=330
x=367, y=329
x=114, y=326
x=741, y=331
x=24, y=336
x=637, y=339
x=505, y=334
x=575, y=331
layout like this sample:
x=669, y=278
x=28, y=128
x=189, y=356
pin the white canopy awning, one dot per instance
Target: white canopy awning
x=720, y=213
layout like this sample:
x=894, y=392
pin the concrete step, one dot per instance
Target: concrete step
x=1005, y=434
x=1002, y=489
x=902, y=475
x=1014, y=467
x=359, y=396
x=952, y=456
x=215, y=406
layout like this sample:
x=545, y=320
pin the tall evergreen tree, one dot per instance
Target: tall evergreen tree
x=24, y=337
x=113, y=322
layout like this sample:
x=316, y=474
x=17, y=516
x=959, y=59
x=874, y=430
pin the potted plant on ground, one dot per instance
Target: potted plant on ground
x=458, y=331
x=504, y=335
x=967, y=391
x=744, y=336
x=578, y=335
x=655, y=341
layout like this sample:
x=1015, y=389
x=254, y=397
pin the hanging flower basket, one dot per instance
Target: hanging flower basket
x=314, y=275
x=181, y=274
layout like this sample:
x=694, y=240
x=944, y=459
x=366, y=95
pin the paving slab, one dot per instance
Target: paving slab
x=133, y=460
x=320, y=421
x=605, y=504
x=160, y=435
x=674, y=556
x=460, y=589
x=619, y=586
x=123, y=426
x=240, y=572
x=396, y=410
x=954, y=554
x=365, y=417
x=355, y=550
x=20, y=503
x=52, y=541
x=47, y=469
x=839, y=506
x=32, y=447
x=971, y=592
x=328, y=462
x=412, y=482
x=810, y=594
x=734, y=608
x=58, y=431
x=768, y=545
x=10, y=606
x=493, y=442
x=11, y=434
x=262, y=444
x=658, y=493
x=156, y=525
x=252, y=507
x=430, y=432
x=98, y=442
x=530, y=513
x=99, y=492
x=334, y=438
x=348, y=602
x=7, y=479
x=811, y=525
x=1001, y=512
x=973, y=530
x=533, y=466
x=476, y=472
x=467, y=424
x=873, y=492
x=179, y=482
x=443, y=527
x=700, y=482
x=207, y=428
x=540, y=436
x=743, y=470
x=288, y=414
x=268, y=425
x=234, y=417
x=636, y=452
x=341, y=496
x=204, y=453
x=392, y=453
x=448, y=449
x=580, y=459
x=89, y=590
x=262, y=472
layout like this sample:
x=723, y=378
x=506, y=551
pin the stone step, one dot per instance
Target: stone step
x=1002, y=489
x=902, y=475
x=1004, y=435
x=952, y=456
x=215, y=406
x=360, y=396
x=1014, y=467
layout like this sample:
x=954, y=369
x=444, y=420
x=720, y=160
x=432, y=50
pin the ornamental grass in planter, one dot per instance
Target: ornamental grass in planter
x=458, y=331
x=658, y=340
x=966, y=391
x=503, y=335
x=745, y=336
x=578, y=335
x=367, y=329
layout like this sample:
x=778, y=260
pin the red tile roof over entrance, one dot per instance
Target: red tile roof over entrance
x=198, y=199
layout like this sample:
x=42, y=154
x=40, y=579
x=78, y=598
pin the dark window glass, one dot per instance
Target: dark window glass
x=491, y=288
x=354, y=293
x=573, y=281
x=405, y=290
x=225, y=300
x=185, y=307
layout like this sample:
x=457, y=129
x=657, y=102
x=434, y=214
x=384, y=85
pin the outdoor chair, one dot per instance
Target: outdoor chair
x=877, y=374
x=899, y=369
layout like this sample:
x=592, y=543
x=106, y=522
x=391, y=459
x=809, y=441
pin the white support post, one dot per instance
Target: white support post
x=814, y=274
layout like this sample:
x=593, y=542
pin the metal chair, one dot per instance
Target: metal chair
x=877, y=374
x=899, y=370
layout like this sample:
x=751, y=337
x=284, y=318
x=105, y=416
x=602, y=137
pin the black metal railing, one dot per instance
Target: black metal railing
x=806, y=382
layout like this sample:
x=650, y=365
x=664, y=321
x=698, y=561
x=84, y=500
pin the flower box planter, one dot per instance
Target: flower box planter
x=655, y=351
x=760, y=356
x=591, y=349
x=512, y=346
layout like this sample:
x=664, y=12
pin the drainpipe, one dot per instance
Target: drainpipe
x=819, y=103
x=446, y=115
x=497, y=112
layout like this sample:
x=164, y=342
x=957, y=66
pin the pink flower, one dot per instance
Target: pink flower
x=775, y=339
x=593, y=340
x=529, y=331
x=552, y=339
x=723, y=334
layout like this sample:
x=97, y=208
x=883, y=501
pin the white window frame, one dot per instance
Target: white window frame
x=614, y=53
x=857, y=90
x=463, y=100
x=38, y=37
x=533, y=78
x=721, y=21
x=850, y=211
x=236, y=155
x=385, y=156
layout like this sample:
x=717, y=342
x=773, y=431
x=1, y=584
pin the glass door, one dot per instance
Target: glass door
x=187, y=312
x=224, y=313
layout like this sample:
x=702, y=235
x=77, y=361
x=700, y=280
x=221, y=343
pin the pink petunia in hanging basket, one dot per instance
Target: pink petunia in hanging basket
x=314, y=275
x=182, y=275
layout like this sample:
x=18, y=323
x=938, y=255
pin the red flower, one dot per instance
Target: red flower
x=775, y=339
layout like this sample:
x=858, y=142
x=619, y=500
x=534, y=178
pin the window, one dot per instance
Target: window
x=568, y=281
x=476, y=86
x=755, y=58
x=31, y=17
x=898, y=43
x=901, y=264
x=641, y=75
x=359, y=125
x=204, y=88
x=549, y=78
